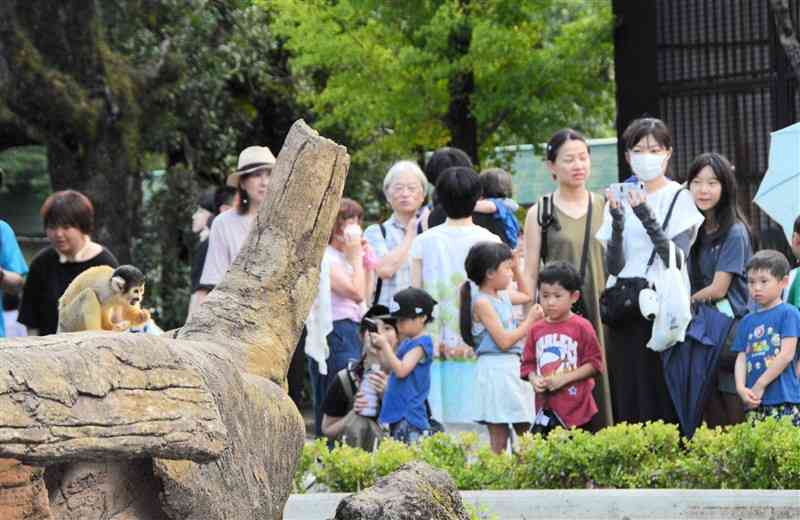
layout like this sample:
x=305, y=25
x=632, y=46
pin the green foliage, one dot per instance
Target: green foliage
x=231, y=87
x=160, y=249
x=761, y=456
x=24, y=170
x=387, y=72
x=479, y=512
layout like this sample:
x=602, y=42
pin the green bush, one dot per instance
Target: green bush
x=652, y=455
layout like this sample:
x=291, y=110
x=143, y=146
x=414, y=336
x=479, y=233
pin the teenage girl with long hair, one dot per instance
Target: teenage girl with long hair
x=717, y=263
x=502, y=398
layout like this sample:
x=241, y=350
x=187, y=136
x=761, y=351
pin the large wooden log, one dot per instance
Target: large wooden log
x=213, y=391
x=104, y=396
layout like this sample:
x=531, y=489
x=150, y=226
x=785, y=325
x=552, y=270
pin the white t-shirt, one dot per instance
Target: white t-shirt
x=637, y=245
x=228, y=233
x=443, y=250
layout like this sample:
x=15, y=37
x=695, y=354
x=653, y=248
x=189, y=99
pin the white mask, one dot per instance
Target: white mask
x=648, y=166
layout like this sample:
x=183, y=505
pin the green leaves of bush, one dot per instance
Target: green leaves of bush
x=652, y=455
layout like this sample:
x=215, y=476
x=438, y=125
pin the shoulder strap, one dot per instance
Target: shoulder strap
x=379, y=281
x=544, y=217
x=347, y=386
x=665, y=224
x=587, y=236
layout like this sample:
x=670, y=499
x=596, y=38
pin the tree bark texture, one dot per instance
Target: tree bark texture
x=60, y=79
x=786, y=33
x=210, y=391
x=85, y=397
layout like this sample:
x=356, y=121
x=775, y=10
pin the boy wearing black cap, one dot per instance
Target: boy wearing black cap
x=403, y=408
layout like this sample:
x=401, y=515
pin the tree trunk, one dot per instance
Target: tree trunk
x=84, y=102
x=212, y=391
x=786, y=33
x=459, y=118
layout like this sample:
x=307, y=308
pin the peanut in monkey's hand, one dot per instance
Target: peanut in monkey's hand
x=144, y=316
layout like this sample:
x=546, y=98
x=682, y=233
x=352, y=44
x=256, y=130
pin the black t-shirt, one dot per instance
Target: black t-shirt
x=198, y=261
x=46, y=281
x=336, y=403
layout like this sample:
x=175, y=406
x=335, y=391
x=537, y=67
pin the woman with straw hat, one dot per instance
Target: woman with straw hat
x=230, y=229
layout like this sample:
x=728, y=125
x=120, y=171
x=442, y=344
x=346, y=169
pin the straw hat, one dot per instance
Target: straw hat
x=251, y=159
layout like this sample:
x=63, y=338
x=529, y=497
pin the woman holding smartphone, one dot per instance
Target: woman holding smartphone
x=632, y=230
x=556, y=229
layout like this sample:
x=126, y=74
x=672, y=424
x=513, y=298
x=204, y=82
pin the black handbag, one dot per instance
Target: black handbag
x=620, y=302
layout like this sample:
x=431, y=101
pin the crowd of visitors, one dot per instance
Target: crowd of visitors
x=448, y=313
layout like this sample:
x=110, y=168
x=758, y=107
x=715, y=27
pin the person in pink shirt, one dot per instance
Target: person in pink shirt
x=351, y=262
x=562, y=354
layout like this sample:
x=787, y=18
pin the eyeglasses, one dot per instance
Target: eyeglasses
x=413, y=189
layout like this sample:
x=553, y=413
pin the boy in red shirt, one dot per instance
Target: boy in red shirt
x=562, y=354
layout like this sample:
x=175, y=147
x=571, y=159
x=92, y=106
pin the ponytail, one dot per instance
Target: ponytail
x=465, y=314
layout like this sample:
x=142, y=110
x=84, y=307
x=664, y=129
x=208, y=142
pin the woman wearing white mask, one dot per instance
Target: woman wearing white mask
x=637, y=247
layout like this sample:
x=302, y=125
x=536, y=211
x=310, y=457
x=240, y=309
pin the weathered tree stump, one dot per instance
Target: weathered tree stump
x=197, y=424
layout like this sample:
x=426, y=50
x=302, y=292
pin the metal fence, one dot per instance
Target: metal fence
x=724, y=84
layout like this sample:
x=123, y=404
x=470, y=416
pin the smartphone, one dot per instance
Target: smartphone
x=370, y=324
x=621, y=189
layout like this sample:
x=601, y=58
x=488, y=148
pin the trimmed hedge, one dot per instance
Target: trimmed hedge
x=652, y=455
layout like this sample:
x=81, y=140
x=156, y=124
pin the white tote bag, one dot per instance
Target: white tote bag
x=674, y=304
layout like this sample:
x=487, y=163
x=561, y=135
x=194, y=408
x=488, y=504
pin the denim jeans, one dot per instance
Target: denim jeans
x=344, y=344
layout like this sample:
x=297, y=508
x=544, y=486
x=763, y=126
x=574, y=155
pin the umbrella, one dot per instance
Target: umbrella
x=779, y=192
x=690, y=366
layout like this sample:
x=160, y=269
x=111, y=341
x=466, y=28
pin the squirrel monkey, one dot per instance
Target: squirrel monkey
x=99, y=295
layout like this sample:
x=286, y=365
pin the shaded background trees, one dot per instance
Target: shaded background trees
x=142, y=104
x=412, y=76
x=116, y=90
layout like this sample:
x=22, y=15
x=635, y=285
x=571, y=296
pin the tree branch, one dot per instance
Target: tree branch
x=786, y=32
x=494, y=125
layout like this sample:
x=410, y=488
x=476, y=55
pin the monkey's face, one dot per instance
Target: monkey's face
x=134, y=295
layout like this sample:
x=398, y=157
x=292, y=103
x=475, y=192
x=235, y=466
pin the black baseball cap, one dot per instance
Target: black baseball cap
x=377, y=312
x=412, y=302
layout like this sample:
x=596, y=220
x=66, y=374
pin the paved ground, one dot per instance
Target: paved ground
x=598, y=504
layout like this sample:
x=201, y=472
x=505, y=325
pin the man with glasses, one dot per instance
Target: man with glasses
x=404, y=186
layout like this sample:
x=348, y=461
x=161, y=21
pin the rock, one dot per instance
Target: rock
x=415, y=491
x=23, y=495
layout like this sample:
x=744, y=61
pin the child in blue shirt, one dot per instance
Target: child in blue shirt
x=403, y=408
x=496, y=202
x=766, y=340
